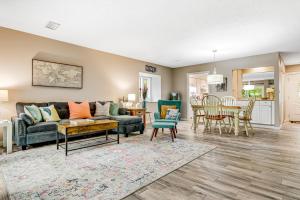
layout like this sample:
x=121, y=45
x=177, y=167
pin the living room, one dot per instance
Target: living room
x=174, y=100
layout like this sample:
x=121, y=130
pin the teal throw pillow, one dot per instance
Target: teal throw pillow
x=34, y=112
x=114, y=109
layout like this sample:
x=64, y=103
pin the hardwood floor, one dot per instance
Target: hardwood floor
x=263, y=166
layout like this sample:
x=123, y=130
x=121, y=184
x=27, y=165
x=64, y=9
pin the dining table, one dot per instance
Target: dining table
x=235, y=109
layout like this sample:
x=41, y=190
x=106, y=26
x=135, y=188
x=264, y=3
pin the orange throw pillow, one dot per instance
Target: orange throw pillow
x=164, y=109
x=79, y=110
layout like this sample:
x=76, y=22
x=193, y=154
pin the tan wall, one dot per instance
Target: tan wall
x=223, y=67
x=105, y=76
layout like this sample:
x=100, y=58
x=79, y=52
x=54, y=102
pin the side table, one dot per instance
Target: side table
x=138, y=112
x=7, y=134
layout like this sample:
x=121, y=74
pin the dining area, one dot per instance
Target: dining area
x=222, y=113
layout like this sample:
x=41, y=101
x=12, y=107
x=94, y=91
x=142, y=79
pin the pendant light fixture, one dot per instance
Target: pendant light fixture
x=214, y=78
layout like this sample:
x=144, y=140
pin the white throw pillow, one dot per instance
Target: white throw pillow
x=102, y=109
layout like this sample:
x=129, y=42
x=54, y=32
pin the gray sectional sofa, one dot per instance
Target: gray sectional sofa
x=24, y=134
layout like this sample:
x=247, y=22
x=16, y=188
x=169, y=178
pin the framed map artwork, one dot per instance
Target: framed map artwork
x=51, y=74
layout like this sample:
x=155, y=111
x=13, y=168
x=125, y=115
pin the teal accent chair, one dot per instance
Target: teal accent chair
x=157, y=116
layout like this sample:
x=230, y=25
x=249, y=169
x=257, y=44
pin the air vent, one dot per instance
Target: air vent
x=52, y=25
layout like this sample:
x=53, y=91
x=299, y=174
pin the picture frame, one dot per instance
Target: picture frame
x=54, y=74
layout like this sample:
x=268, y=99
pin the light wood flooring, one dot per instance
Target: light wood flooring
x=263, y=166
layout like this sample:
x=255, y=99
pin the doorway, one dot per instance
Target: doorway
x=197, y=87
x=292, y=97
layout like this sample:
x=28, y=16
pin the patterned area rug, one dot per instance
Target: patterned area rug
x=104, y=172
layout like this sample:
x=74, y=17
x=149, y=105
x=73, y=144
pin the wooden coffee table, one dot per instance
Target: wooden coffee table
x=86, y=128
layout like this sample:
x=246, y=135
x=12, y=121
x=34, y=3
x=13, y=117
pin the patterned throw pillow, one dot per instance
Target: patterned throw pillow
x=102, y=109
x=172, y=114
x=164, y=109
x=50, y=114
x=114, y=109
x=34, y=112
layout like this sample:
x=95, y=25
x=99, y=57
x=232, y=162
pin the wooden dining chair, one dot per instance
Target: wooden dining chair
x=229, y=101
x=247, y=115
x=199, y=115
x=212, y=106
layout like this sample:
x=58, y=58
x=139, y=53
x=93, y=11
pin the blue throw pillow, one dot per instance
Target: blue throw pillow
x=172, y=114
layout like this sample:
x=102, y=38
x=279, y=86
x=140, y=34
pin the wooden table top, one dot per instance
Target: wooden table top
x=227, y=107
x=91, y=123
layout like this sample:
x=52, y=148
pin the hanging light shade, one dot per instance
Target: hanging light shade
x=214, y=78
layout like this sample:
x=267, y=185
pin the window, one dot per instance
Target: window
x=153, y=83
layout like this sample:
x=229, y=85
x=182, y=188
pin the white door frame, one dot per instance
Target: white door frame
x=188, y=89
x=286, y=110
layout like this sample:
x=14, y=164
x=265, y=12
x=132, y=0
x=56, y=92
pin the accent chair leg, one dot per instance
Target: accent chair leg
x=172, y=134
x=126, y=134
x=153, y=133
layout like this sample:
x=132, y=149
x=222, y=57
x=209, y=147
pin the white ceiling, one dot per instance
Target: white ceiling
x=168, y=32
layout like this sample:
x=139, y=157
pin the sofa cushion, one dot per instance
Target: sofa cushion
x=62, y=109
x=127, y=119
x=42, y=127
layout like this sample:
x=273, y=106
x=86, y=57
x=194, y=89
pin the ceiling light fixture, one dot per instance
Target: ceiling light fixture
x=52, y=25
x=214, y=78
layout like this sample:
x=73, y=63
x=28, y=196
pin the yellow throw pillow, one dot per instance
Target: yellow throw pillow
x=164, y=109
x=49, y=114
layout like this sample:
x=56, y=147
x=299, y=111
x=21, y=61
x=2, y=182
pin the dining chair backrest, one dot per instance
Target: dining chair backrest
x=228, y=101
x=195, y=101
x=212, y=105
x=249, y=109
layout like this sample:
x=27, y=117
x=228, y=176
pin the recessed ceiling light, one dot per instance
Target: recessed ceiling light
x=52, y=25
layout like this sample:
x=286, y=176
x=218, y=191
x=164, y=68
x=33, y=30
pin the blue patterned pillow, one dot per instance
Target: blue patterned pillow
x=172, y=114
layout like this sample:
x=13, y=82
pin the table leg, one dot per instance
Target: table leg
x=118, y=135
x=106, y=134
x=66, y=142
x=8, y=138
x=236, y=123
x=195, y=120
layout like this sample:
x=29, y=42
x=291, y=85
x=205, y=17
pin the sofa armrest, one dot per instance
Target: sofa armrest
x=19, y=127
x=156, y=115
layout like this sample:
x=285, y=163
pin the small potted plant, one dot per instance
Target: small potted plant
x=144, y=95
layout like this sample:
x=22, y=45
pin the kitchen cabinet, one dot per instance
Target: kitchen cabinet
x=263, y=112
